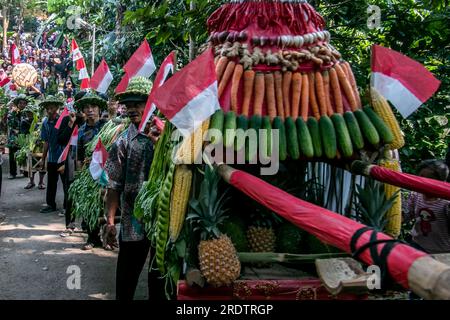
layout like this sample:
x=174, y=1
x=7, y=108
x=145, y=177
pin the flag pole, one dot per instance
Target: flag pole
x=93, y=49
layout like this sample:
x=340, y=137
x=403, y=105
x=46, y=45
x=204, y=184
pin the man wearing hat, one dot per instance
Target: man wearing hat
x=64, y=133
x=91, y=105
x=26, y=121
x=52, y=150
x=127, y=167
x=13, y=119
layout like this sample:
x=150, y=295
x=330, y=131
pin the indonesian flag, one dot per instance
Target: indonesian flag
x=73, y=142
x=15, y=55
x=80, y=65
x=97, y=165
x=141, y=64
x=403, y=81
x=190, y=96
x=4, y=82
x=63, y=114
x=102, y=77
x=9, y=87
x=166, y=67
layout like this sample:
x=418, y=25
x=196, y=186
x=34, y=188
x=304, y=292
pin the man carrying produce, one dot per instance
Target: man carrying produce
x=52, y=151
x=64, y=133
x=91, y=105
x=127, y=167
x=13, y=120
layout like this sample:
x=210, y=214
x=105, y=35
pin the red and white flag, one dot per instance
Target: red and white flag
x=99, y=157
x=102, y=78
x=73, y=142
x=4, y=82
x=9, y=87
x=166, y=66
x=401, y=80
x=190, y=96
x=63, y=114
x=141, y=64
x=80, y=65
x=15, y=55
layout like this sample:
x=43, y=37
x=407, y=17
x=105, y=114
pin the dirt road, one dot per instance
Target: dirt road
x=34, y=259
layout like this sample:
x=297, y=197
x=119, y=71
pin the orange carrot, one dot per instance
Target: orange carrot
x=336, y=90
x=226, y=77
x=320, y=93
x=305, y=97
x=296, y=91
x=249, y=79
x=237, y=75
x=279, y=93
x=259, y=94
x=220, y=67
x=352, y=79
x=312, y=96
x=326, y=86
x=270, y=95
x=347, y=88
x=287, y=78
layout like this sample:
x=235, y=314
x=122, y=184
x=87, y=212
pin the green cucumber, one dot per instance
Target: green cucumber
x=304, y=138
x=266, y=143
x=328, y=134
x=368, y=129
x=354, y=130
x=292, y=138
x=343, y=136
x=383, y=130
x=241, y=123
x=313, y=126
x=255, y=123
x=229, y=129
x=278, y=124
x=217, y=120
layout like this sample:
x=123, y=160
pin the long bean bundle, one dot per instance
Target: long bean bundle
x=87, y=202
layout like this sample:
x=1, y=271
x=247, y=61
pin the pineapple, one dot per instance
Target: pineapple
x=261, y=236
x=372, y=205
x=218, y=259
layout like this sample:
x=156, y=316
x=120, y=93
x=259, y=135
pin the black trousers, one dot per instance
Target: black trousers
x=68, y=205
x=131, y=260
x=52, y=184
x=94, y=236
x=12, y=161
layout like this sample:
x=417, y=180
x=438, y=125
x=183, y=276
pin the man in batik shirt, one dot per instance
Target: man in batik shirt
x=127, y=167
x=19, y=103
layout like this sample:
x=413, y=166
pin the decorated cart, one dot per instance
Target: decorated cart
x=296, y=234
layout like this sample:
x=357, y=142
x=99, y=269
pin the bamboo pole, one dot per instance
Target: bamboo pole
x=425, y=276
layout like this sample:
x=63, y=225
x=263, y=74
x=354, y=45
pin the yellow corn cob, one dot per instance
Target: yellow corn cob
x=394, y=215
x=382, y=107
x=191, y=146
x=179, y=200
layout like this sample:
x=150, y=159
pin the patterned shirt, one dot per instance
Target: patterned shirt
x=432, y=228
x=50, y=134
x=127, y=167
x=13, y=120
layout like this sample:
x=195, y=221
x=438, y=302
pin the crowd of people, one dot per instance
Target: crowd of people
x=127, y=167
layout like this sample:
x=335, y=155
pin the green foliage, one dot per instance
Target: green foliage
x=418, y=29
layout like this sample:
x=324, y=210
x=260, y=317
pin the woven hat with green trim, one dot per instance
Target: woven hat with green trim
x=20, y=97
x=51, y=100
x=31, y=108
x=91, y=98
x=137, y=91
